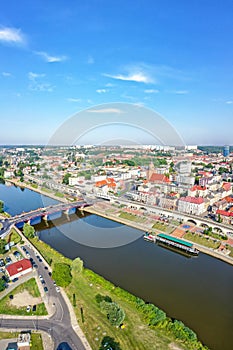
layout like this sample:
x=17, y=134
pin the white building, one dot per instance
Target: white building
x=191, y=205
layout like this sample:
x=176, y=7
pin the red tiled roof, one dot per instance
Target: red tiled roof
x=110, y=182
x=18, y=266
x=224, y=212
x=198, y=188
x=226, y=186
x=196, y=200
x=159, y=178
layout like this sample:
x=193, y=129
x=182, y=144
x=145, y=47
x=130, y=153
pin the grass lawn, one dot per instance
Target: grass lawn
x=59, y=194
x=132, y=217
x=162, y=227
x=135, y=336
x=231, y=249
x=8, y=335
x=36, y=341
x=32, y=288
x=14, y=236
x=207, y=242
x=48, y=253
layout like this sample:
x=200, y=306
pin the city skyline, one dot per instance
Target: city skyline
x=58, y=59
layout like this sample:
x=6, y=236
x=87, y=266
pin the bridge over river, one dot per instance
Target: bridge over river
x=33, y=217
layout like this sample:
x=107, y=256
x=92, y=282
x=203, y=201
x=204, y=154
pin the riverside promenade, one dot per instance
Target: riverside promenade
x=147, y=226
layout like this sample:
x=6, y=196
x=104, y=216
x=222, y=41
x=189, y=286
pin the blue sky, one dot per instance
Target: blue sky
x=58, y=58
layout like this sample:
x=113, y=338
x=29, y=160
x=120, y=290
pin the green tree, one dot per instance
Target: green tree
x=2, y=285
x=28, y=230
x=114, y=312
x=109, y=343
x=66, y=179
x=62, y=274
x=2, y=246
x=1, y=206
x=76, y=267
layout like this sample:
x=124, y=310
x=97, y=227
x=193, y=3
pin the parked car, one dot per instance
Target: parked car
x=46, y=289
x=15, y=279
x=34, y=308
x=28, y=308
x=57, y=289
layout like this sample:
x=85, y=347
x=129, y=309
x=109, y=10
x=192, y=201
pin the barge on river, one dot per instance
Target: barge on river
x=174, y=242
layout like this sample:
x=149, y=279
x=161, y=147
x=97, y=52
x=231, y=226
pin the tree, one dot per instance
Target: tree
x=1, y=206
x=114, y=313
x=66, y=179
x=109, y=343
x=62, y=274
x=28, y=231
x=2, y=246
x=76, y=267
x=2, y=285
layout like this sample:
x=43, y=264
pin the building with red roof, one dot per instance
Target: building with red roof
x=191, y=205
x=19, y=268
x=198, y=191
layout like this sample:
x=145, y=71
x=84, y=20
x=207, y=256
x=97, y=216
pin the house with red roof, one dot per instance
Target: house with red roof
x=225, y=216
x=191, y=205
x=19, y=268
x=198, y=191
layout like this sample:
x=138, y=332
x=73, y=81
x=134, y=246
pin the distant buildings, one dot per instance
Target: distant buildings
x=226, y=151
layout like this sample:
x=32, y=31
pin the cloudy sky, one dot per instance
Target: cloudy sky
x=61, y=57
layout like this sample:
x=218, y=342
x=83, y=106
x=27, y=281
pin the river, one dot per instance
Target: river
x=198, y=291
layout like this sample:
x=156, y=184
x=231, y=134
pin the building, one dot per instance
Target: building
x=198, y=191
x=19, y=268
x=23, y=342
x=226, y=151
x=191, y=205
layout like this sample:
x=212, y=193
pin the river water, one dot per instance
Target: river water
x=198, y=291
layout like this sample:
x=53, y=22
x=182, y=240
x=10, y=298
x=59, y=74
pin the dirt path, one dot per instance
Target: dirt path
x=25, y=298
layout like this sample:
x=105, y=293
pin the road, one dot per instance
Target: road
x=59, y=324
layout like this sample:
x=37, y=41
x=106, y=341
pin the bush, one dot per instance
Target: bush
x=113, y=311
x=62, y=274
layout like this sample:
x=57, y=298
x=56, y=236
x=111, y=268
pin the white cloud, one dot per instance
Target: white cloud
x=11, y=35
x=6, y=74
x=70, y=99
x=138, y=77
x=37, y=83
x=229, y=102
x=101, y=91
x=50, y=59
x=151, y=91
x=106, y=110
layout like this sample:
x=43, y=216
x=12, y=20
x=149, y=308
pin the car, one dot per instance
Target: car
x=34, y=308
x=46, y=268
x=43, y=281
x=40, y=277
x=15, y=279
x=11, y=296
x=36, y=266
x=50, y=273
x=46, y=289
x=57, y=289
x=40, y=260
x=28, y=308
x=2, y=263
x=8, y=259
x=24, y=249
x=37, y=256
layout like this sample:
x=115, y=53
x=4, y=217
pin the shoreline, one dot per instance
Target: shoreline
x=143, y=228
x=126, y=222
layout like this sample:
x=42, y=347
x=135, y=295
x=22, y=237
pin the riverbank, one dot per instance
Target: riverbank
x=139, y=332
x=145, y=228
x=38, y=190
